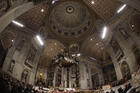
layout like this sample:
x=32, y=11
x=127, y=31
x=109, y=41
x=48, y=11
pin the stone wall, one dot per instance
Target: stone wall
x=19, y=53
x=126, y=38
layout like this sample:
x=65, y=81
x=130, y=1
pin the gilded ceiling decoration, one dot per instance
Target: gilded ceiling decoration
x=74, y=48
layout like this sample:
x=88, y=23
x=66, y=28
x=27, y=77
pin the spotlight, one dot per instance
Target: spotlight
x=104, y=32
x=42, y=10
x=17, y=23
x=92, y=2
x=121, y=8
x=39, y=40
x=53, y=2
x=41, y=74
x=78, y=54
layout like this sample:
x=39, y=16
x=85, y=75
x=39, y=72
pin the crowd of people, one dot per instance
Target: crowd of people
x=119, y=82
x=11, y=85
x=127, y=87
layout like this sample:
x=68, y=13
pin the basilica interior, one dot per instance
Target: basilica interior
x=70, y=46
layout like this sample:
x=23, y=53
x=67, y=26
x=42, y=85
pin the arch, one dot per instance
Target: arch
x=125, y=70
x=6, y=19
x=136, y=51
x=11, y=66
x=95, y=80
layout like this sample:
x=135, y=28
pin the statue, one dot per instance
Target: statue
x=11, y=66
x=24, y=76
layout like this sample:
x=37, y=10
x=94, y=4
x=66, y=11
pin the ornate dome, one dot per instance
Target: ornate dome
x=70, y=19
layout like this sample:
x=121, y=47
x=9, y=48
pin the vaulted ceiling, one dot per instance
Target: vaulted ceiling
x=71, y=21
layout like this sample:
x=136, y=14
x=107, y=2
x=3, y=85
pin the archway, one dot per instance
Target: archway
x=136, y=52
x=135, y=27
x=125, y=70
x=95, y=80
x=6, y=41
x=95, y=77
x=7, y=18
